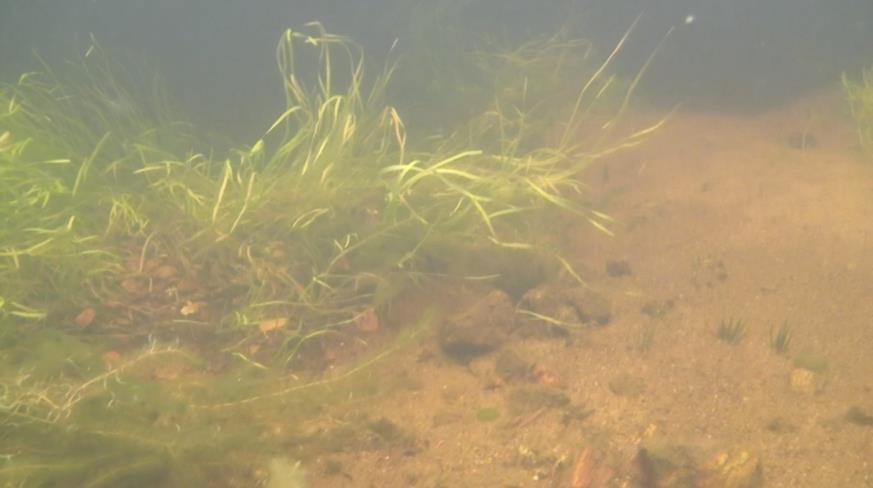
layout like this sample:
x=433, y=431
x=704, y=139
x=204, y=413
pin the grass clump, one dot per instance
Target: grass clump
x=859, y=97
x=780, y=338
x=302, y=235
x=69, y=191
x=731, y=331
x=302, y=238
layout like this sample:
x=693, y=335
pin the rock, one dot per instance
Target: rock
x=368, y=321
x=547, y=377
x=665, y=467
x=779, y=425
x=165, y=272
x=480, y=329
x=589, y=471
x=512, y=367
x=544, y=299
x=858, y=416
x=85, y=317
x=805, y=381
x=592, y=307
x=568, y=306
x=739, y=469
x=674, y=466
x=618, y=268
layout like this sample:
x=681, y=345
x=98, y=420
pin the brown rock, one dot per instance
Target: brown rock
x=618, y=268
x=367, y=321
x=85, y=317
x=592, y=307
x=480, y=329
x=665, y=466
x=740, y=469
x=568, y=306
x=805, y=382
x=512, y=367
x=165, y=272
x=270, y=325
x=589, y=472
x=133, y=287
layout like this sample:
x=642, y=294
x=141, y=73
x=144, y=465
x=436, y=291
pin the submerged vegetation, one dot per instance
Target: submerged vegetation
x=859, y=96
x=731, y=331
x=780, y=338
x=119, y=236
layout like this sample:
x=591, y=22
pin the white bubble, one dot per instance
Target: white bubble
x=689, y=19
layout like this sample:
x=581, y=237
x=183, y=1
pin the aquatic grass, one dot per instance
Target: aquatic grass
x=333, y=211
x=731, y=331
x=66, y=188
x=99, y=429
x=332, y=193
x=780, y=338
x=336, y=174
x=858, y=94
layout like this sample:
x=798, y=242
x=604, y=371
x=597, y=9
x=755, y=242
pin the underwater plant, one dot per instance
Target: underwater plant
x=859, y=97
x=366, y=207
x=303, y=233
x=119, y=234
x=780, y=338
x=731, y=331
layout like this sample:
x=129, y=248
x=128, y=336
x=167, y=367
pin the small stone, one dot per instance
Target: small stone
x=779, y=425
x=618, y=268
x=567, y=314
x=805, y=382
x=85, y=317
x=133, y=287
x=544, y=300
x=665, y=466
x=547, y=377
x=740, y=469
x=368, y=321
x=112, y=358
x=857, y=416
x=166, y=272
x=589, y=471
x=568, y=306
x=270, y=325
x=191, y=308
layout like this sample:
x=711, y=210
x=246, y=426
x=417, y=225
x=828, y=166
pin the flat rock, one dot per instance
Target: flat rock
x=572, y=306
